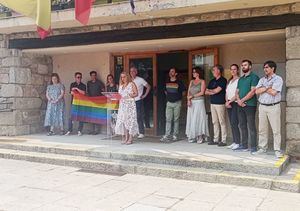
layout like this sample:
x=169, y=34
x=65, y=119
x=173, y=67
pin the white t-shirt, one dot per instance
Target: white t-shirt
x=140, y=84
x=231, y=89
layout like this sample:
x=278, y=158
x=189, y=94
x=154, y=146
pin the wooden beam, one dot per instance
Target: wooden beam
x=161, y=32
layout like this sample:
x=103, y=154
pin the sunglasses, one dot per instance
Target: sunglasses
x=78, y=77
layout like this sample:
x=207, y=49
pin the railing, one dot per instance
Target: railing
x=56, y=6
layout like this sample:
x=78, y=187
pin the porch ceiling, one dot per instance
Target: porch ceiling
x=166, y=44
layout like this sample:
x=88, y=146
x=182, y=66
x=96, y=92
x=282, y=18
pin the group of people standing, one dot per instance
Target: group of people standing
x=239, y=96
x=56, y=105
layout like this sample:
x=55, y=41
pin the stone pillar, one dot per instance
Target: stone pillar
x=293, y=90
x=23, y=81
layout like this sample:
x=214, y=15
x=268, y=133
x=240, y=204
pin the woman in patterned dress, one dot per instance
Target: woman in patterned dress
x=56, y=105
x=127, y=125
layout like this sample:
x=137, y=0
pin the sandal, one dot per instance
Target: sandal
x=129, y=142
x=200, y=140
x=50, y=133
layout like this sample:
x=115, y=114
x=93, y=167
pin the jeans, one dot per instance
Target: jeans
x=247, y=121
x=80, y=126
x=173, y=114
x=234, y=123
x=140, y=116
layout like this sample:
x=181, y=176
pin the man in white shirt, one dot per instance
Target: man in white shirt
x=140, y=83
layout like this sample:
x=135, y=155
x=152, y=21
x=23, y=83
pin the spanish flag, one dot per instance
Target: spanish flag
x=39, y=10
x=83, y=10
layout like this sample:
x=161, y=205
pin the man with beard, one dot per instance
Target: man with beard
x=247, y=103
x=269, y=90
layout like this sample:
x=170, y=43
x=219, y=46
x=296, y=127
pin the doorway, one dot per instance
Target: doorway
x=165, y=61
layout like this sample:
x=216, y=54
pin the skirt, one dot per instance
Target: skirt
x=127, y=118
x=197, y=120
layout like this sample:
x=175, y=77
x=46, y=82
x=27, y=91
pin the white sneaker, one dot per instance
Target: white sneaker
x=68, y=133
x=79, y=133
x=165, y=138
x=230, y=146
x=235, y=146
x=140, y=136
x=175, y=138
x=260, y=152
x=278, y=154
x=191, y=140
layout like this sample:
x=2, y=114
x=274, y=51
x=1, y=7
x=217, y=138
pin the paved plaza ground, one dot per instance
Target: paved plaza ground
x=36, y=186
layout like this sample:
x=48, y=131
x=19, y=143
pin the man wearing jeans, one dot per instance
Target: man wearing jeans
x=174, y=89
x=247, y=103
x=76, y=87
x=269, y=90
x=140, y=84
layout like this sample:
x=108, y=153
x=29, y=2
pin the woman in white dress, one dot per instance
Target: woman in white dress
x=197, y=122
x=126, y=124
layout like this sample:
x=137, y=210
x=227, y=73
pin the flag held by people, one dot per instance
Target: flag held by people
x=92, y=109
x=39, y=10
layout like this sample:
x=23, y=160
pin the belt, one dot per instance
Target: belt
x=271, y=104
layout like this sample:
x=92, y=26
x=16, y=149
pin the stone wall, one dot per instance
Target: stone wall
x=23, y=81
x=293, y=90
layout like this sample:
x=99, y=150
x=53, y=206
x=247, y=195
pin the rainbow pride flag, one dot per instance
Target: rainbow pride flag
x=92, y=109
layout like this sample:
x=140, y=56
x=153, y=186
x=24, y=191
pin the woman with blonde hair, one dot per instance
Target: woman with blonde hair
x=126, y=124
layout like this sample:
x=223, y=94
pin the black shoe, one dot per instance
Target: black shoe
x=212, y=143
x=221, y=144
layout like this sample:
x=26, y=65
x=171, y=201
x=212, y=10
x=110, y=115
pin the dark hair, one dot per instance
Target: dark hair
x=220, y=67
x=247, y=60
x=54, y=75
x=109, y=75
x=78, y=73
x=238, y=72
x=93, y=72
x=198, y=70
x=174, y=69
x=271, y=64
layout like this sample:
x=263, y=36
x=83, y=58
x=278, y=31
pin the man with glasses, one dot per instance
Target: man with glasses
x=76, y=87
x=269, y=90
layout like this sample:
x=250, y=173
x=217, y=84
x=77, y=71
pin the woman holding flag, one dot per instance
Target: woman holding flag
x=126, y=124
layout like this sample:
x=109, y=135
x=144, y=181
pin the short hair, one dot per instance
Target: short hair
x=271, y=64
x=198, y=70
x=247, y=60
x=219, y=67
x=93, y=72
x=78, y=73
x=54, y=75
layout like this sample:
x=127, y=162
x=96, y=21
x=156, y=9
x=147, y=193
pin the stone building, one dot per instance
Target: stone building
x=163, y=33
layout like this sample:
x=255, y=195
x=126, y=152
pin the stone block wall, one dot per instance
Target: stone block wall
x=293, y=90
x=23, y=81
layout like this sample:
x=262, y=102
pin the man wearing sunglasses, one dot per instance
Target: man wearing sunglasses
x=76, y=87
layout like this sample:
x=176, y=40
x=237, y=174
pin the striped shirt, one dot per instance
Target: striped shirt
x=276, y=83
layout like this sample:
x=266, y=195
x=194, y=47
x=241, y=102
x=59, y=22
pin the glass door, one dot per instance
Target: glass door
x=146, y=65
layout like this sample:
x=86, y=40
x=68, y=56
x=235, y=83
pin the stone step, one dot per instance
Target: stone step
x=258, y=167
x=290, y=181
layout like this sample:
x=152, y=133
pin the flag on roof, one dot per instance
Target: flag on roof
x=39, y=10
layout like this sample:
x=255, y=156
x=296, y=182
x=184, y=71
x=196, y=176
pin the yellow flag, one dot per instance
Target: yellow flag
x=39, y=10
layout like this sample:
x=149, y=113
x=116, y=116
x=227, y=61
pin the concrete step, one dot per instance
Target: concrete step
x=289, y=181
x=259, y=166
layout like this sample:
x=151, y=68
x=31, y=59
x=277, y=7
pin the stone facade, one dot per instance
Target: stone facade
x=23, y=81
x=293, y=90
x=168, y=21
